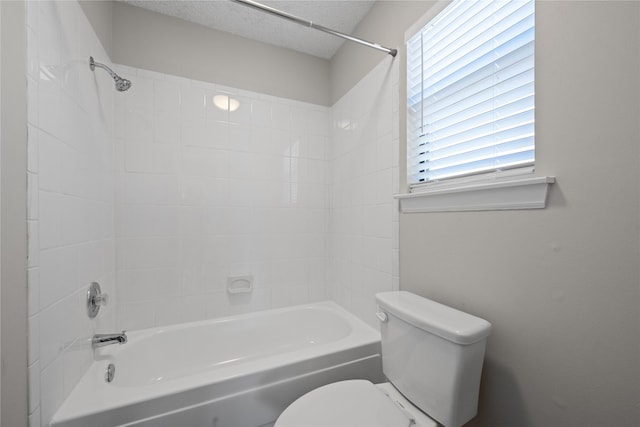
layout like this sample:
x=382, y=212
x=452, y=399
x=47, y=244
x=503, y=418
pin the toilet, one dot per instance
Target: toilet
x=432, y=356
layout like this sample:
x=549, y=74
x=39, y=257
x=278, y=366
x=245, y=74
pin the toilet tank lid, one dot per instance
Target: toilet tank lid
x=438, y=319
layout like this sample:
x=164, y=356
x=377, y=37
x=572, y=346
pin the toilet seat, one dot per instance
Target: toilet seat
x=353, y=403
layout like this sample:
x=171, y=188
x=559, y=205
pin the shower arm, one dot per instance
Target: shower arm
x=305, y=23
x=93, y=64
x=121, y=84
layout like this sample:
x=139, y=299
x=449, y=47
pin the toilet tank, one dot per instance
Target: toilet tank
x=433, y=355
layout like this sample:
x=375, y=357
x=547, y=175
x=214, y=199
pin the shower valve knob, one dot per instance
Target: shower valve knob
x=95, y=299
x=102, y=299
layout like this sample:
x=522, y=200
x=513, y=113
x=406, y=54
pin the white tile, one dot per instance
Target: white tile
x=241, y=165
x=214, y=277
x=216, y=305
x=51, y=390
x=192, y=221
x=250, y=219
x=140, y=96
x=167, y=311
x=281, y=116
x=217, y=134
x=58, y=274
x=239, y=137
x=74, y=164
x=49, y=114
x=34, y=387
x=289, y=295
x=32, y=194
x=271, y=168
x=33, y=235
x=317, y=146
x=34, y=417
x=166, y=97
x=260, y=113
x=34, y=339
x=242, y=115
x=92, y=258
x=138, y=156
x=58, y=329
x=139, y=127
x=157, y=252
x=194, y=132
x=32, y=96
x=32, y=147
x=384, y=186
x=49, y=34
x=205, y=162
x=319, y=121
x=192, y=308
x=384, y=151
x=76, y=360
x=49, y=153
x=192, y=101
x=166, y=128
x=240, y=193
x=135, y=315
x=259, y=299
x=33, y=16
x=33, y=290
x=152, y=189
x=166, y=158
x=71, y=150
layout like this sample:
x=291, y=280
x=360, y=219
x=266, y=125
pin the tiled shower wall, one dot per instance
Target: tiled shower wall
x=298, y=196
x=205, y=193
x=71, y=199
x=363, y=230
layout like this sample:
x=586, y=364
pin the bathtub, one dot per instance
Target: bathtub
x=238, y=371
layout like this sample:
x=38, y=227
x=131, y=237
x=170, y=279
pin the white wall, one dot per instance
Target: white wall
x=152, y=41
x=561, y=285
x=100, y=15
x=71, y=198
x=364, y=169
x=385, y=24
x=14, y=212
x=204, y=194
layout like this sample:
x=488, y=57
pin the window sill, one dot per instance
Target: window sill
x=513, y=193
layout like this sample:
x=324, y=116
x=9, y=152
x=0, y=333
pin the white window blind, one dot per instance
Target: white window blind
x=470, y=90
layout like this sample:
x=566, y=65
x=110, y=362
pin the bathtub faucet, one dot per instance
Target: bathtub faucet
x=100, y=340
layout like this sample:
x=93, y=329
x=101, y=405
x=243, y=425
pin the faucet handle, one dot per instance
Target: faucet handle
x=95, y=299
x=102, y=299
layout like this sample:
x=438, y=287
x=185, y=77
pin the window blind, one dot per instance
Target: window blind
x=470, y=91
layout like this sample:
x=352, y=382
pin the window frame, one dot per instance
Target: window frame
x=517, y=188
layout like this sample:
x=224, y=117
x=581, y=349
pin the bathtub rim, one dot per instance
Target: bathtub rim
x=362, y=342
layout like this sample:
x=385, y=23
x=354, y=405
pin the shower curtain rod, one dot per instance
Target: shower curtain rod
x=304, y=22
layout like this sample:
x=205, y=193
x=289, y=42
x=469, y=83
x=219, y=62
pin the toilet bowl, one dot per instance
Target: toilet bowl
x=432, y=356
x=354, y=403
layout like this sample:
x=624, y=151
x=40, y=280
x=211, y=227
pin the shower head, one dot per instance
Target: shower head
x=121, y=84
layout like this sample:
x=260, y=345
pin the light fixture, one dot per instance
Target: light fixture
x=226, y=103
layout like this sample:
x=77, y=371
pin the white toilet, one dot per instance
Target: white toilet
x=432, y=355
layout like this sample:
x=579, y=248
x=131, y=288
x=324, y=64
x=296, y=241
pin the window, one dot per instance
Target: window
x=470, y=92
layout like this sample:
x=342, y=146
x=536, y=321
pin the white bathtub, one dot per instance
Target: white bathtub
x=239, y=371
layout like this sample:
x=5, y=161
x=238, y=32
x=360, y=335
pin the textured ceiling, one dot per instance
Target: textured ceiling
x=224, y=15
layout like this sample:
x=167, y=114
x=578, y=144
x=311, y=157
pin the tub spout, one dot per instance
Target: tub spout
x=100, y=340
